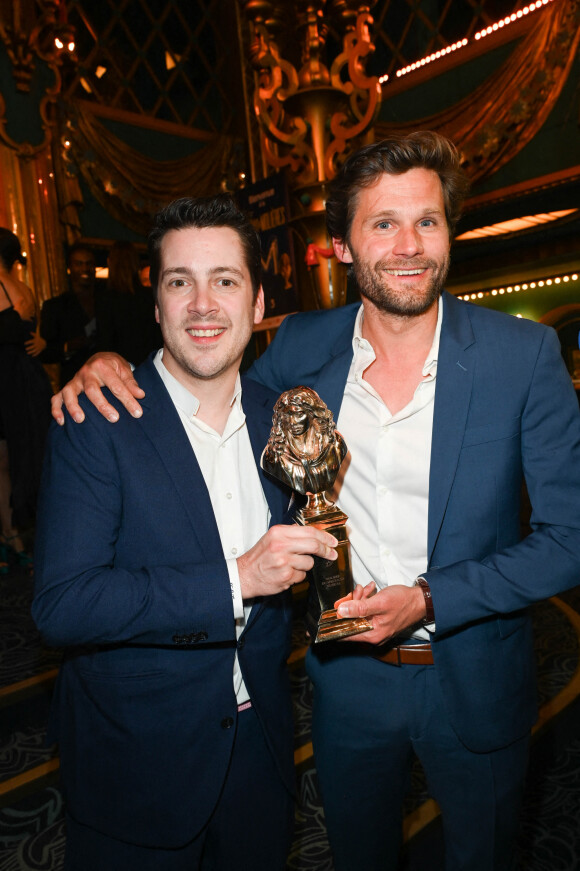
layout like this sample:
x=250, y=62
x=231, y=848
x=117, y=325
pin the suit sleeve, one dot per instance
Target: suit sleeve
x=83, y=594
x=548, y=560
x=269, y=368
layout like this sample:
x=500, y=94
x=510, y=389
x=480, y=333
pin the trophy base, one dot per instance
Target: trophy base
x=331, y=627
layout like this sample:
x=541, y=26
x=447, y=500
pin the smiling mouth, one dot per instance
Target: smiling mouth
x=206, y=334
x=406, y=271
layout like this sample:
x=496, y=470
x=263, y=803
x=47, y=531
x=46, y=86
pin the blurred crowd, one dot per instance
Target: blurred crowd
x=56, y=338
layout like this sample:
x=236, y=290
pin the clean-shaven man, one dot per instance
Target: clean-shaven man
x=159, y=572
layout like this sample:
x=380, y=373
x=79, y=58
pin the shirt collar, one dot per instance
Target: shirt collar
x=364, y=354
x=432, y=356
x=183, y=398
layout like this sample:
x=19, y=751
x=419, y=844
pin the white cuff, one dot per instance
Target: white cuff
x=238, y=602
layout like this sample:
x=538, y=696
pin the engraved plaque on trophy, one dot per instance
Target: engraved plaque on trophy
x=305, y=452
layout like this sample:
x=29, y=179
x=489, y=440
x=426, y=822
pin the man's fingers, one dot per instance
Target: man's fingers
x=358, y=593
x=308, y=539
x=56, y=408
x=106, y=369
x=120, y=389
x=69, y=395
x=132, y=385
x=96, y=396
x=125, y=391
x=282, y=557
x=346, y=598
x=357, y=608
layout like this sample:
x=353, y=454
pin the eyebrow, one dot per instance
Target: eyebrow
x=390, y=213
x=217, y=270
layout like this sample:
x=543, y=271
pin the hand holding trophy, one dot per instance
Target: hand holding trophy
x=305, y=452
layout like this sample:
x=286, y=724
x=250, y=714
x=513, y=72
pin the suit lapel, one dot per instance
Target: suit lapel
x=258, y=407
x=455, y=371
x=331, y=380
x=163, y=426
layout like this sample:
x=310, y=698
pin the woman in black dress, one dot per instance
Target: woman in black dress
x=24, y=403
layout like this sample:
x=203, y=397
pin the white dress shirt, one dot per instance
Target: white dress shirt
x=385, y=491
x=229, y=470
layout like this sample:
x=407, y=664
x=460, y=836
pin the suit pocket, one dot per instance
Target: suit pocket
x=492, y=432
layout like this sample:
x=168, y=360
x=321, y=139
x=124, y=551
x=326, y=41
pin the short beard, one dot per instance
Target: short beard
x=373, y=284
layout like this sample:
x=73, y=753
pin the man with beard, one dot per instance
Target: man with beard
x=446, y=408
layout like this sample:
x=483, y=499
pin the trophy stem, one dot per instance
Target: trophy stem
x=305, y=451
x=330, y=580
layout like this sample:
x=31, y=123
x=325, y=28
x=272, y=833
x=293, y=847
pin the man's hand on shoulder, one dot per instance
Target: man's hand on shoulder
x=105, y=369
x=281, y=558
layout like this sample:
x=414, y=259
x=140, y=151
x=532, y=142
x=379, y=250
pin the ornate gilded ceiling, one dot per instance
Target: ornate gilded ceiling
x=177, y=61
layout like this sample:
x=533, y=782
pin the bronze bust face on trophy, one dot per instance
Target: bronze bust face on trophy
x=305, y=452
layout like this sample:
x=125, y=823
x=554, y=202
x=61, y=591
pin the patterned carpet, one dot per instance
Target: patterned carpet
x=31, y=813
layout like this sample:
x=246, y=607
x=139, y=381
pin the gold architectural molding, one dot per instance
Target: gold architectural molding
x=311, y=112
x=500, y=117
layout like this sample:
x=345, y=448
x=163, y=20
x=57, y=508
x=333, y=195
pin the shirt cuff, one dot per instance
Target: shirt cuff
x=238, y=602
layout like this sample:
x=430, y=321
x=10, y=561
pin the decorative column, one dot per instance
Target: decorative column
x=35, y=43
x=312, y=113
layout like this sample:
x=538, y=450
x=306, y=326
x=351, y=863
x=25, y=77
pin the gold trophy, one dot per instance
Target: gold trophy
x=305, y=452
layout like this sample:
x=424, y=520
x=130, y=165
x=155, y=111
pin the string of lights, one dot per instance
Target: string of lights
x=487, y=31
x=518, y=288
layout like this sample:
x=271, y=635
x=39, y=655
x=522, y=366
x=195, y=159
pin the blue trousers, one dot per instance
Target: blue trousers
x=251, y=826
x=368, y=718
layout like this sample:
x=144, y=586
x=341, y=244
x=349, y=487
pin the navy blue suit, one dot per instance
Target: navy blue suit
x=131, y=580
x=504, y=410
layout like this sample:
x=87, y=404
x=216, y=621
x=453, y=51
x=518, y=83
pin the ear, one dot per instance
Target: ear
x=341, y=250
x=156, y=312
x=259, y=306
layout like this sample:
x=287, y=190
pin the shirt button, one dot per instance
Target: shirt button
x=383, y=491
x=234, y=550
x=228, y=495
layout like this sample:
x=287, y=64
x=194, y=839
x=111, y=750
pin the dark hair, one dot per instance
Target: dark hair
x=124, y=267
x=10, y=249
x=394, y=156
x=202, y=212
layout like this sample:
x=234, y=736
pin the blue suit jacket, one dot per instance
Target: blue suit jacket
x=504, y=409
x=132, y=581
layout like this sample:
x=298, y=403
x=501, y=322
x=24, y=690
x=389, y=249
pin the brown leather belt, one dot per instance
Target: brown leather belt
x=405, y=654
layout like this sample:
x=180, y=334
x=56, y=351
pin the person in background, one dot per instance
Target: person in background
x=446, y=407
x=25, y=395
x=69, y=322
x=127, y=315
